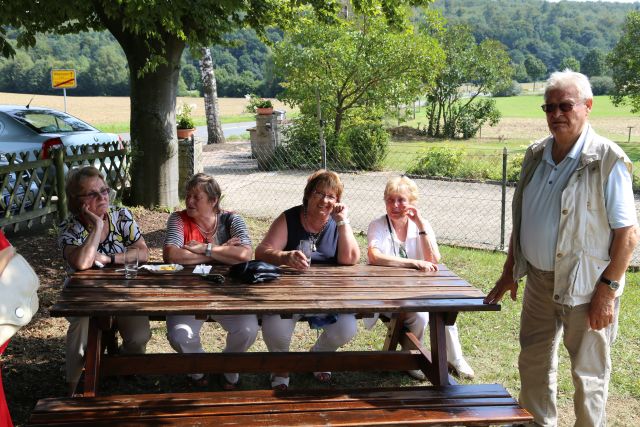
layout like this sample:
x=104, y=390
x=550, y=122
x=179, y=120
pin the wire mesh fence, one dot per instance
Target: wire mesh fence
x=473, y=210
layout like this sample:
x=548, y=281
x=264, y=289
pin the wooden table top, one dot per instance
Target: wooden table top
x=361, y=289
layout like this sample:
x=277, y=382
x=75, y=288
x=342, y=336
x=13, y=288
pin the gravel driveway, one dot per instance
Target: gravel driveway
x=461, y=213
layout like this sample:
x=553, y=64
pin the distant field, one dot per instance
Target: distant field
x=522, y=122
x=114, y=111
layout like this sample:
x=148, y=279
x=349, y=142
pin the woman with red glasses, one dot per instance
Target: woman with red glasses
x=321, y=224
x=404, y=238
x=95, y=235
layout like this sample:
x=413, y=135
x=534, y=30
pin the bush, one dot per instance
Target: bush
x=301, y=147
x=362, y=146
x=438, y=162
x=602, y=85
x=512, y=89
x=474, y=116
x=514, y=166
x=365, y=145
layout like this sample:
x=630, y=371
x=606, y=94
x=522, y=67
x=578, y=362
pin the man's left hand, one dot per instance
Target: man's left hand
x=601, y=308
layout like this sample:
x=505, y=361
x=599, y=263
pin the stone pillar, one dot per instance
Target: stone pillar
x=189, y=160
x=264, y=141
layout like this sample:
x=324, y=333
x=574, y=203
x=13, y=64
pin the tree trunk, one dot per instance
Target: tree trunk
x=154, y=169
x=337, y=123
x=209, y=87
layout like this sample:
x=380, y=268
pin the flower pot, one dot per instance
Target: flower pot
x=185, y=133
x=264, y=111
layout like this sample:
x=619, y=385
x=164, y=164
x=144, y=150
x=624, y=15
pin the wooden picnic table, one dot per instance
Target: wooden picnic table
x=103, y=294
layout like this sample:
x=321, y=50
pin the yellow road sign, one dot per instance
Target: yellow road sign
x=63, y=79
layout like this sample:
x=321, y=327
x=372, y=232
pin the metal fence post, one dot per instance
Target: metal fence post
x=503, y=217
x=58, y=161
x=323, y=144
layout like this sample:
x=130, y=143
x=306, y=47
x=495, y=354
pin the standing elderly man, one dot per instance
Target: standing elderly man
x=574, y=231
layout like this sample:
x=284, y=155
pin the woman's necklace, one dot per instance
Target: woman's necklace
x=313, y=237
x=208, y=234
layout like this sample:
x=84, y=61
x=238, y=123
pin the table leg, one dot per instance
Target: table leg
x=440, y=373
x=396, y=324
x=92, y=358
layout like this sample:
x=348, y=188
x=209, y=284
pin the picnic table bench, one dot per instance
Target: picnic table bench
x=105, y=294
x=445, y=405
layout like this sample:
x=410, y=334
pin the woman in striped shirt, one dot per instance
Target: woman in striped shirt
x=204, y=233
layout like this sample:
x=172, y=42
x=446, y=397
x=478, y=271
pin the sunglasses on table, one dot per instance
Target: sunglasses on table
x=95, y=194
x=565, y=107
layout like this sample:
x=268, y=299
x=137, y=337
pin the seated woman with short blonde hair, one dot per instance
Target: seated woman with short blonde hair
x=404, y=238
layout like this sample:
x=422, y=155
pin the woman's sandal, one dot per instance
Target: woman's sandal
x=323, y=377
x=279, y=383
x=202, y=381
x=227, y=385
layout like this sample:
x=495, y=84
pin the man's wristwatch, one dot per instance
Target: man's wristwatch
x=207, y=251
x=612, y=284
x=112, y=258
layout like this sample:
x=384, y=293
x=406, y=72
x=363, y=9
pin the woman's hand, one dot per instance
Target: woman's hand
x=425, y=265
x=413, y=214
x=196, y=247
x=296, y=259
x=93, y=220
x=340, y=212
x=102, y=258
x=234, y=241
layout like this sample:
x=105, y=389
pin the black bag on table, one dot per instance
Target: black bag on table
x=254, y=271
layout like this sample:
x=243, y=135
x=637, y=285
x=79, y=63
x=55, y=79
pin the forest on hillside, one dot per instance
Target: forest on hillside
x=576, y=34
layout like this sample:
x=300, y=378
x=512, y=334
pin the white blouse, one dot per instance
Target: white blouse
x=379, y=237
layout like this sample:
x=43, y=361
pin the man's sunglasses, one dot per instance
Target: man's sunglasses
x=565, y=107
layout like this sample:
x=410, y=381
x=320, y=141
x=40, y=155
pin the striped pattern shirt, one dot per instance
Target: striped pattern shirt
x=229, y=225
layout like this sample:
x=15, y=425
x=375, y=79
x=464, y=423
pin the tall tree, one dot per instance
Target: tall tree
x=359, y=63
x=535, y=68
x=594, y=63
x=153, y=36
x=571, y=63
x=209, y=88
x=625, y=64
x=482, y=68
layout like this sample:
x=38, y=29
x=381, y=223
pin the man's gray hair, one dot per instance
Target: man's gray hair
x=567, y=79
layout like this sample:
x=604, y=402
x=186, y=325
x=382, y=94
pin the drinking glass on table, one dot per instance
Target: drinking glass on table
x=130, y=263
x=306, y=248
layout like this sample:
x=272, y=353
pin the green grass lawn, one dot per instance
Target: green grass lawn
x=528, y=106
x=490, y=339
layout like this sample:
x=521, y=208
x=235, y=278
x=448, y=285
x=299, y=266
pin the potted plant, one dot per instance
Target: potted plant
x=264, y=106
x=184, y=121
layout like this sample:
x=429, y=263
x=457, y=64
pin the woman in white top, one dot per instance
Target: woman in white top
x=404, y=238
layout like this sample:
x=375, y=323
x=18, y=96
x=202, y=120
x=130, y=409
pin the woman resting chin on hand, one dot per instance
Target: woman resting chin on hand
x=404, y=238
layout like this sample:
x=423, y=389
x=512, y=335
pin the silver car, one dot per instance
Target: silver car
x=35, y=129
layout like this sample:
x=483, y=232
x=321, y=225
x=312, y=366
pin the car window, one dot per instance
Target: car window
x=51, y=122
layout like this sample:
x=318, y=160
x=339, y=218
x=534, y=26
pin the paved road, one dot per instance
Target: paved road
x=228, y=129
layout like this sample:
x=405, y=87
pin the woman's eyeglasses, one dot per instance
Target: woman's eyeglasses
x=565, y=107
x=323, y=196
x=95, y=194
